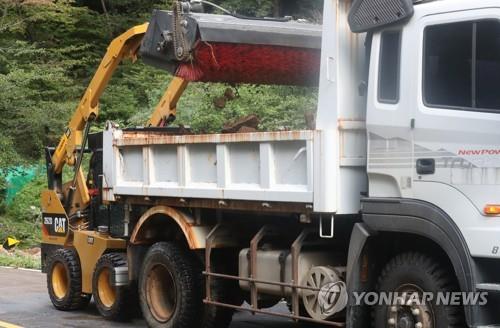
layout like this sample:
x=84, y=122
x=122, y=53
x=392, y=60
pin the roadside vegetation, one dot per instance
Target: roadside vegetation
x=49, y=51
x=20, y=259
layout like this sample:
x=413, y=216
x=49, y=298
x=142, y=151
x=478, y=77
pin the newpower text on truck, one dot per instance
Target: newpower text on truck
x=395, y=192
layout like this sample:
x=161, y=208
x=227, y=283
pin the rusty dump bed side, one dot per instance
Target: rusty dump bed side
x=263, y=167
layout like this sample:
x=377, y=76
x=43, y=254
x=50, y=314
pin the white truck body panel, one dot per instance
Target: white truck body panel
x=341, y=114
x=275, y=166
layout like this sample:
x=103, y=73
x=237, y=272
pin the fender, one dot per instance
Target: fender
x=418, y=218
x=195, y=234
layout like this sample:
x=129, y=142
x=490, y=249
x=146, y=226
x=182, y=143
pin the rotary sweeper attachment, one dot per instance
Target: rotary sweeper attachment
x=225, y=48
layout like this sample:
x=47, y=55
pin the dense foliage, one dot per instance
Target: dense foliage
x=49, y=50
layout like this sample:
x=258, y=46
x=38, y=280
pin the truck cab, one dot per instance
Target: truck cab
x=433, y=138
x=432, y=114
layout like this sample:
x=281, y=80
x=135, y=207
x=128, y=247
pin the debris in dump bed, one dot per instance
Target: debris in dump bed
x=246, y=129
x=229, y=94
x=180, y=129
x=244, y=124
x=220, y=102
x=184, y=130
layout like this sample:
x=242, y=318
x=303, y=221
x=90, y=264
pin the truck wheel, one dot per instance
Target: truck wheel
x=170, y=287
x=411, y=274
x=113, y=302
x=64, y=281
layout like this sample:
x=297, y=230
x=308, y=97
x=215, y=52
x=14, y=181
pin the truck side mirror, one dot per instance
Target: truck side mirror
x=366, y=15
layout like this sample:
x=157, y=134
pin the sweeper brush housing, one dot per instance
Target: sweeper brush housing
x=223, y=48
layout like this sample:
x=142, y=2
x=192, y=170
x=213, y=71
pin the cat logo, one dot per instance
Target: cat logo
x=60, y=225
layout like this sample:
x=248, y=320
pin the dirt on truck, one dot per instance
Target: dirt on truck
x=383, y=213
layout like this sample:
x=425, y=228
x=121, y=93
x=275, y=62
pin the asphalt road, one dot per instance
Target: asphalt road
x=24, y=302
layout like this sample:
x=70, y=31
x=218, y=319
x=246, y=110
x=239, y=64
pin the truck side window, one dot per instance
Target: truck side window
x=462, y=65
x=389, y=67
x=488, y=65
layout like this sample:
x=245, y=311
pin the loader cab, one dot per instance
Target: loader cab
x=433, y=114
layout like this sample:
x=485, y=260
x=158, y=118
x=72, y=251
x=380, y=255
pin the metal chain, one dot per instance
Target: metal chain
x=181, y=50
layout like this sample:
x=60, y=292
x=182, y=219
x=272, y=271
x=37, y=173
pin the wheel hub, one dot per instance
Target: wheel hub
x=106, y=291
x=60, y=283
x=411, y=310
x=161, y=293
x=406, y=321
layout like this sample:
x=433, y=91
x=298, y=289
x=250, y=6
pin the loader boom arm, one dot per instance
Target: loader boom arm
x=166, y=109
x=123, y=47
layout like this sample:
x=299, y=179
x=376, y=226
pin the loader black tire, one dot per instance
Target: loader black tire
x=170, y=287
x=419, y=273
x=113, y=302
x=64, y=281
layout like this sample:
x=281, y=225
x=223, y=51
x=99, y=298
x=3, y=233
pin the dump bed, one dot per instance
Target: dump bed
x=284, y=166
x=267, y=166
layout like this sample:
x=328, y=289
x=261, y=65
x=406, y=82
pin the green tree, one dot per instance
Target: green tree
x=277, y=8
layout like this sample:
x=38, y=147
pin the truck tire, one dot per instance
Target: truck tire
x=170, y=287
x=411, y=273
x=113, y=302
x=64, y=281
x=223, y=291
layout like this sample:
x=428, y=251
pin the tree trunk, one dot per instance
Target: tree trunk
x=277, y=8
x=105, y=11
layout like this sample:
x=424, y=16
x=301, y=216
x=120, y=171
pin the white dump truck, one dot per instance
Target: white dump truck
x=387, y=214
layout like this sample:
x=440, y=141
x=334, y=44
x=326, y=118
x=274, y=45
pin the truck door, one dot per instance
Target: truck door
x=456, y=123
x=389, y=133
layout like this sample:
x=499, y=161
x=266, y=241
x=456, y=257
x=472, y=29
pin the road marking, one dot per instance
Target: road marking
x=4, y=324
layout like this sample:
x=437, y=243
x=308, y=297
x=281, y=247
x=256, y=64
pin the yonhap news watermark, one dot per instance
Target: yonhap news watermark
x=334, y=297
x=420, y=298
